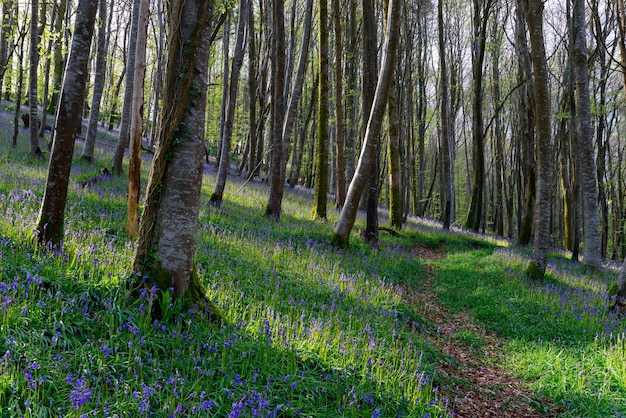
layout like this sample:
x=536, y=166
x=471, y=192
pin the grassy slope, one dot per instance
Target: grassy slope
x=315, y=332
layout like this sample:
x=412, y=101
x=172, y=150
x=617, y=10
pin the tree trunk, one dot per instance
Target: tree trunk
x=480, y=19
x=275, y=199
x=592, y=252
x=231, y=101
x=534, y=16
x=49, y=228
x=35, y=151
x=446, y=137
x=339, y=123
x=58, y=67
x=136, y=129
x=341, y=235
x=98, y=85
x=169, y=222
x=225, y=77
x=20, y=87
x=252, y=93
x=124, y=137
x=370, y=58
x=294, y=175
x=6, y=33
x=296, y=93
x=527, y=130
x=321, y=176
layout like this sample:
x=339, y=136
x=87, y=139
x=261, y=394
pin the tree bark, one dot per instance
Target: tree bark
x=321, y=171
x=35, y=151
x=341, y=234
x=136, y=128
x=369, y=200
x=231, y=100
x=169, y=222
x=534, y=16
x=275, y=199
x=98, y=85
x=446, y=137
x=49, y=228
x=480, y=19
x=124, y=136
x=252, y=93
x=6, y=33
x=58, y=67
x=592, y=252
x=296, y=93
x=338, y=101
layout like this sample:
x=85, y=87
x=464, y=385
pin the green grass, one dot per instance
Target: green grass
x=314, y=332
x=560, y=337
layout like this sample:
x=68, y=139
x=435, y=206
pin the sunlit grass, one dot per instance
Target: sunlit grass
x=314, y=332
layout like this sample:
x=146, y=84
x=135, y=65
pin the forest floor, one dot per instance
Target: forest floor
x=478, y=384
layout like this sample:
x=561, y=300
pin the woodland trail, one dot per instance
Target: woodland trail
x=472, y=375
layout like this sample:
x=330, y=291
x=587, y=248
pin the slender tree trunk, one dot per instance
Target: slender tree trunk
x=20, y=88
x=321, y=177
x=294, y=176
x=169, y=222
x=341, y=235
x=158, y=76
x=60, y=11
x=35, y=151
x=445, y=140
x=393, y=153
x=231, y=101
x=527, y=130
x=136, y=128
x=370, y=59
x=480, y=19
x=225, y=84
x=252, y=92
x=352, y=124
x=339, y=103
x=592, y=252
x=296, y=93
x=6, y=34
x=534, y=16
x=124, y=137
x=499, y=131
x=49, y=228
x=275, y=199
x=98, y=85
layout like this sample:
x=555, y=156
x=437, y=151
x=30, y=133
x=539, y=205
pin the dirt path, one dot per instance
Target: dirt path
x=473, y=376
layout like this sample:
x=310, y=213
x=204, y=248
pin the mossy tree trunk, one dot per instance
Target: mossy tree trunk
x=534, y=16
x=321, y=162
x=169, y=222
x=275, y=199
